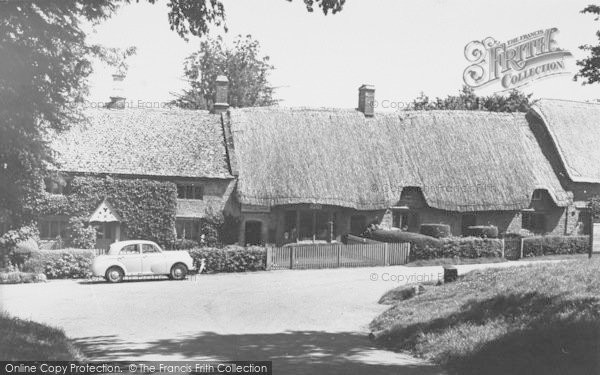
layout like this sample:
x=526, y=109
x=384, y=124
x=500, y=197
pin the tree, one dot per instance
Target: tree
x=45, y=60
x=515, y=101
x=242, y=64
x=589, y=67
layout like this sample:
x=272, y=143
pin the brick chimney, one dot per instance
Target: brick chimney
x=366, y=100
x=221, y=97
x=117, y=98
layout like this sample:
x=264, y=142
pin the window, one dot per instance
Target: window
x=190, y=192
x=52, y=228
x=537, y=195
x=400, y=220
x=186, y=229
x=312, y=225
x=149, y=249
x=534, y=221
x=129, y=249
x=55, y=185
x=358, y=224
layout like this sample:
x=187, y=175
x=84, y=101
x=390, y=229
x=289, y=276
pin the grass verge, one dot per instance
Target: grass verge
x=24, y=340
x=535, y=319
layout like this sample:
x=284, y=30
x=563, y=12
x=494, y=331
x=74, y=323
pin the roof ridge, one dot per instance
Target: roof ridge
x=568, y=101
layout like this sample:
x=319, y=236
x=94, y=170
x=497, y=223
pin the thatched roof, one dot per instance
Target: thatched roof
x=150, y=142
x=575, y=130
x=462, y=160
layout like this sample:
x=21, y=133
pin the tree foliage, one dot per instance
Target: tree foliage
x=515, y=101
x=242, y=64
x=589, y=67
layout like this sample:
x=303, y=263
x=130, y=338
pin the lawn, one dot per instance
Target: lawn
x=535, y=319
x=25, y=340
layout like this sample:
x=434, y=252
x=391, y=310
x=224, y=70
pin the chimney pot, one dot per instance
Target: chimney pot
x=221, y=98
x=366, y=100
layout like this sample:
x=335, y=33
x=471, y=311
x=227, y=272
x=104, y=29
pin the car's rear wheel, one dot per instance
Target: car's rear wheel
x=114, y=275
x=178, y=271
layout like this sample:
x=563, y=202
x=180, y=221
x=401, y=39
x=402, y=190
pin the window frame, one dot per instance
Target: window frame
x=185, y=224
x=61, y=183
x=190, y=192
x=156, y=249
x=137, y=246
x=45, y=227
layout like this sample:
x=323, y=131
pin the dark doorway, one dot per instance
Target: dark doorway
x=253, y=233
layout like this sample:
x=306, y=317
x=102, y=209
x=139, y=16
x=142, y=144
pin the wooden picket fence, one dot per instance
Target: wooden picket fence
x=337, y=255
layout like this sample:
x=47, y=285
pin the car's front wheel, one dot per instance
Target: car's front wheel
x=178, y=271
x=114, y=275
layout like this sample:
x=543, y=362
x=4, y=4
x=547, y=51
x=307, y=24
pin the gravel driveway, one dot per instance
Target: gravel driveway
x=312, y=321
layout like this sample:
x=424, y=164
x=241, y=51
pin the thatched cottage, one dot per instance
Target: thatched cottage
x=316, y=174
x=568, y=133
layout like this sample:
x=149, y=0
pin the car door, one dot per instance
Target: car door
x=130, y=257
x=153, y=260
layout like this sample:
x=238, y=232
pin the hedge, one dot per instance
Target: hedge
x=435, y=230
x=61, y=264
x=426, y=247
x=462, y=247
x=231, y=258
x=552, y=245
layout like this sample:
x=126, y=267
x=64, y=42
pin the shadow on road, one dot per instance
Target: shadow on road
x=291, y=352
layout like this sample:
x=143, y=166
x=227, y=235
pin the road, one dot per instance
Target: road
x=311, y=321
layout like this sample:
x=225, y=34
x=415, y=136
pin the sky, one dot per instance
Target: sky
x=402, y=47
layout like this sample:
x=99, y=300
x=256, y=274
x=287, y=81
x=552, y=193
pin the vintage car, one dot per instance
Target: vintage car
x=141, y=258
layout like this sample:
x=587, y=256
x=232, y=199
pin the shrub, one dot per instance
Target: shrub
x=231, y=258
x=26, y=236
x=435, y=230
x=183, y=244
x=483, y=231
x=80, y=235
x=554, y=245
x=61, y=264
x=210, y=227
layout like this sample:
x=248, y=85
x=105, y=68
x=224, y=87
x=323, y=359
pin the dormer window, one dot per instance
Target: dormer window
x=537, y=195
x=190, y=191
